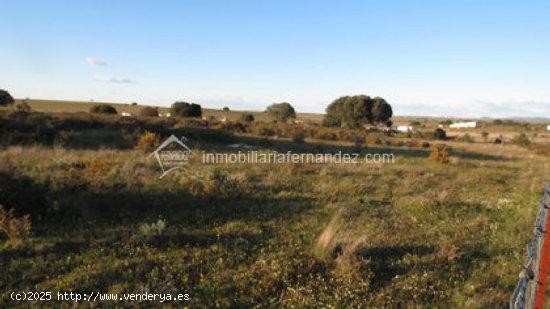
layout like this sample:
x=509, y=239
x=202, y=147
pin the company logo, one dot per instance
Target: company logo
x=172, y=154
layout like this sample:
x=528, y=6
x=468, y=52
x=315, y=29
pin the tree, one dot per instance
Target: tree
x=103, y=109
x=184, y=109
x=149, y=111
x=440, y=134
x=281, y=111
x=5, y=98
x=247, y=118
x=355, y=111
x=226, y=109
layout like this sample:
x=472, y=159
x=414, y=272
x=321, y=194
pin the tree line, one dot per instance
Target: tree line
x=346, y=112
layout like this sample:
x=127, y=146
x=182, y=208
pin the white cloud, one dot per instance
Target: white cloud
x=478, y=108
x=110, y=79
x=95, y=62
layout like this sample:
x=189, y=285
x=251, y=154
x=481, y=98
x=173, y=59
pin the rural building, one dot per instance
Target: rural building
x=126, y=114
x=405, y=129
x=460, y=125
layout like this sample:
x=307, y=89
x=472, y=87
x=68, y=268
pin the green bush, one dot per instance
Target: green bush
x=440, y=134
x=5, y=98
x=149, y=111
x=281, y=111
x=247, y=118
x=184, y=109
x=149, y=233
x=466, y=138
x=103, y=109
x=299, y=138
x=355, y=111
x=521, y=140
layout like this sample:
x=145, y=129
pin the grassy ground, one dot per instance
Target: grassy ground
x=413, y=232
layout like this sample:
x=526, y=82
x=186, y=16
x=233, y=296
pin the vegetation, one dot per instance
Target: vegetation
x=149, y=111
x=247, y=118
x=22, y=107
x=281, y=111
x=440, y=134
x=440, y=153
x=413, y=233
x=355, y=111
x=184, y=109
x=5, y=98
x=103, y=109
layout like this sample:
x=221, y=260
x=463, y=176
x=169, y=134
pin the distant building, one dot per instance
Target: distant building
x=460, y=125
x=126, y=114
x=405, y=129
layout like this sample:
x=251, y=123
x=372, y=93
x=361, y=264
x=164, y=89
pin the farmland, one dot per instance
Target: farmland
x=412, y=232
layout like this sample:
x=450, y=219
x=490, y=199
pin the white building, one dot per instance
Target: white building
x=405, y=129
x=460, y=125
x=126, y=114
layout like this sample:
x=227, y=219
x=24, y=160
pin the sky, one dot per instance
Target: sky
x=433, y=58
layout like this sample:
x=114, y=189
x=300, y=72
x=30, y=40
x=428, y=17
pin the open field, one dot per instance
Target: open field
x=414, y=232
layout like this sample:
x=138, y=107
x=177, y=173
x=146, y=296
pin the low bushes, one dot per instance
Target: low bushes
x=103, y=109
x=13, y=227
x=148, y=141
x=440, y=153
x=149, y=111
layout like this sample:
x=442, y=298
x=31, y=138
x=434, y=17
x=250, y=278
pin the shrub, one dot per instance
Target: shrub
x=23, y=107
x=446, y=122
x=13, y=227
x=103, y=109
x=215, y=186
x=299, y=137
x=5, y=98
x=521, y=140
x=149, y=111
x=184, y=109
x=263, y=131
x=281, y=111
x=374, y=140
x=498, y=140
x=355, y=111
x=23, y=194
x=134, y=103
x=247, y=118
x=485, y=135
x=440, y=134
x=226, y=109
x=466, y=138
x=425, y=145
x=149, y=233
x=440, y=153
x=148, y=141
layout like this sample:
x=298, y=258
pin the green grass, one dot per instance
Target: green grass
x=412, y=233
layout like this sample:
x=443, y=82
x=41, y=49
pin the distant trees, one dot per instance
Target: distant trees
x=281, y=111
x=103, y=109
x=226, y=109
x=355, y=111
x=184, y=109
x=149, y=111
x=5, y=98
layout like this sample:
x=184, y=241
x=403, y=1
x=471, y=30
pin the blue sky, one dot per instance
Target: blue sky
x=466, y=58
